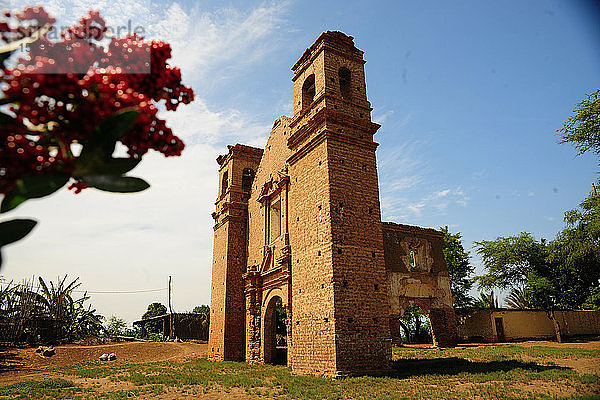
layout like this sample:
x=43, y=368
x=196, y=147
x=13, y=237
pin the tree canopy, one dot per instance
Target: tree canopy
x=582, y=129
x=509, y=260
x=154, y=310
x=459, y=268
x=202, y=309
x=115, y=326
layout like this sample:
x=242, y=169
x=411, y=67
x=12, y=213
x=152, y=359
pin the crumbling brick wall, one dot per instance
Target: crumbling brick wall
x=419, y=278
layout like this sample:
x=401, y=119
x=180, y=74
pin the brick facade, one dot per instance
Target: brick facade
x=308, y=232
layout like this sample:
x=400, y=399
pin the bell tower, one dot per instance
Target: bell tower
x=227, y=310
x=339, y=284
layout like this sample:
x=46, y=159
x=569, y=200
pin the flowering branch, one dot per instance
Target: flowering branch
x=80, y=92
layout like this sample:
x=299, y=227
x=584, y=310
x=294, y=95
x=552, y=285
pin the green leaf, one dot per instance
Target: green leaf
x=101, y=143
x=118, y=124
x=119, y=184
x=93, y=164
x=6, y=119
x=32, y=187
x=14, y=230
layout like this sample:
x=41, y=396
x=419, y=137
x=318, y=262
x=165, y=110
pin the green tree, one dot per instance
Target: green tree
x=575, y=255
x=592, y=301
x=459, y=268
x=134, y=331
x=46, y=313
x=582, y=129
x=577, y=247
x=556, y=275
x=154, y=310
x=202, y=309
x=281, y=319
x=115, y=326
x=70, y=318
x=517, y=261
x=416, y=325
x=509, y=260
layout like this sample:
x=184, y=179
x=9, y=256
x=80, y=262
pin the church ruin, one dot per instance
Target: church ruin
x=298, y=231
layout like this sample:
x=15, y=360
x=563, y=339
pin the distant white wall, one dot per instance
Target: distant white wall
x=528, y=324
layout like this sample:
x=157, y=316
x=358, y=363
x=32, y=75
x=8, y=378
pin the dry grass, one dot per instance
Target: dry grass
x=482, y=372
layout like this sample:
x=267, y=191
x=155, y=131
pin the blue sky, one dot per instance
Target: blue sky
x=469, y=95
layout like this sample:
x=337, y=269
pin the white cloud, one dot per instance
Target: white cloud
x=478, y=175
x=222, y=41
x=403, y=180
x=196, y=123
x=381, y=118
x=114, y=12
x=416, y=209
x=442, y=193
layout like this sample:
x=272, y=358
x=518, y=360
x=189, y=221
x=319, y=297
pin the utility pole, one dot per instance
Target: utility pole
x=171, y=317
x=170, y=307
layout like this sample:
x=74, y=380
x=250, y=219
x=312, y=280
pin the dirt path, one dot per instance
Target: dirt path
x=22, y=364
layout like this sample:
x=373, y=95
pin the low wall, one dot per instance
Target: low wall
x=527, y=324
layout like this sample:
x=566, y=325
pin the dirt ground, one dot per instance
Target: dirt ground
x=23, y=364
x=581, y=365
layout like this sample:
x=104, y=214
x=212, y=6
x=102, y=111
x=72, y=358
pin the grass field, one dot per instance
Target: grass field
x=478, y=372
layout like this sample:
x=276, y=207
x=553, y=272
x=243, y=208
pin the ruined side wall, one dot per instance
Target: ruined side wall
x=429, y=279
x=423, y=281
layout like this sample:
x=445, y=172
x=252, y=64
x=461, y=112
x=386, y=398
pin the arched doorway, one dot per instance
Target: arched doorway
x=415, y=326
x=275, y=332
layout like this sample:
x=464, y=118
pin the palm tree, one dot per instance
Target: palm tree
x=518, y=299
x=69, y=316
x=486, y=301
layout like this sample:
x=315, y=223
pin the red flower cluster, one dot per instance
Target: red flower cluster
x=67, y=88
x=31, y=20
